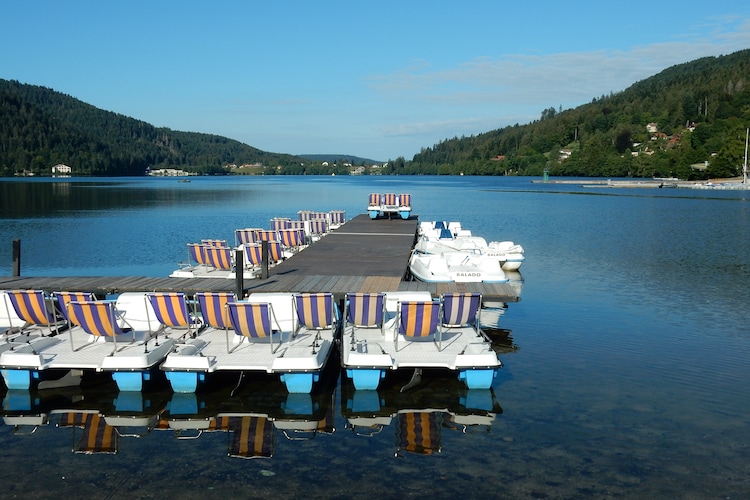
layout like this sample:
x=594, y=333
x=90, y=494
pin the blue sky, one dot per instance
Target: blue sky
x=373, y=79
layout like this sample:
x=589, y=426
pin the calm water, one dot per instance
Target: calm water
x=626, y=361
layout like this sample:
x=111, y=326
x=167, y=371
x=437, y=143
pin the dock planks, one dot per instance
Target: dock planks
x=363, y=255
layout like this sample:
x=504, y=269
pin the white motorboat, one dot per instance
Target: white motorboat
x=126, y=338
x=284, y=333
x=459, y=267
x=410, y=330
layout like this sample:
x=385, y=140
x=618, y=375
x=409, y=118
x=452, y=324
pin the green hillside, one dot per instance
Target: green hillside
x=40, y=128
x=700, y=109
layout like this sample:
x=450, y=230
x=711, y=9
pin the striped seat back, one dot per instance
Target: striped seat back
x=295, y=224
x=31, y=306
x=374, y=200
x=214, y=308
x=404, y=200
x=96, y=317
x=365, y=309
x=171, y=309
x=461, y=308
x=337, y=216
x=64, y=297
x=219, y=257
x=265, y=235
x=275, y=253
x=253, y=437
x=419, y=319
x=314, y=310
x=196, y=253
x=254, y=254
x=419, y=432
x=389, y=199
x=318, y=226
x=245, y=236
x=279, y=223
x=250, y=319
x=292, y=237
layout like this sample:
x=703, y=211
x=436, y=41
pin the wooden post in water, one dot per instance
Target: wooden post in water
x=239, y=273
x=16, y=258
x=264, y=260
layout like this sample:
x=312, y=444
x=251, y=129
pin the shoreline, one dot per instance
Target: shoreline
x=730, y=183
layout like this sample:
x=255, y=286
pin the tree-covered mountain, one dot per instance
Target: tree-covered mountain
x=688, y=121
x=40, y=127
x=340, y=158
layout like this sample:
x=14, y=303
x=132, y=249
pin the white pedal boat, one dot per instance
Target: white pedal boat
x=459, y=267
x=409, y=330
x=509, y=254
x=283, y=333
x=124, y=337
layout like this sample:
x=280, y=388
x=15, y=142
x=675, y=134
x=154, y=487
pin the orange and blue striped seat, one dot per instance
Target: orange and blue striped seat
x=314, y=312
x=275, y=253
x=196, y=253
x=171, y=310
x=36, y=309
x=245, y=236
x=418, y=319
x=64, y=297
x=265, y=235
x=364, y=310
x=251, y=320
x=219, y=258
x=337, y=216
x=404, y=200
x=374, y=200
x=99, y=318
x=461, y=309
x=279, y=223
x=292, y=238
x=318, y=226
x=254, y=254
x=295, y=224
x=213, y=307
x=389, y=199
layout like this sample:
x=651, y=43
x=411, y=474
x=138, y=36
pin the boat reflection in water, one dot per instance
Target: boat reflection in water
x=418, y=413
x=101, y=418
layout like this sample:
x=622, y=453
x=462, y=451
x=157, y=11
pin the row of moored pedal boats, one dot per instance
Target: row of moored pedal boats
x=289, y=334
x=254, y=246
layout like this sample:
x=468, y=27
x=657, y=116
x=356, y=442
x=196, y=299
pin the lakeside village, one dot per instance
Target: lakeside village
x=62, y=170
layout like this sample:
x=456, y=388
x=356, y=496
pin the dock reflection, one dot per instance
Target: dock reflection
x=420, y=414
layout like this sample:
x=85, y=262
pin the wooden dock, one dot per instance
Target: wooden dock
x=363, y=255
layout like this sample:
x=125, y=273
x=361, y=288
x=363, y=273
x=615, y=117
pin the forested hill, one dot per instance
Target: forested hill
x=688, y=121
x=40, y=127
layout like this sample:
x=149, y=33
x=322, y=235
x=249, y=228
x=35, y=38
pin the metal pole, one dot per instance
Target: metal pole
x=264, y=260
x=239, y=273
x=16, y=258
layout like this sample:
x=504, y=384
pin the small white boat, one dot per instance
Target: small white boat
x=410, y=330
x=459, y=267
x=126, y=338
x=284, y=333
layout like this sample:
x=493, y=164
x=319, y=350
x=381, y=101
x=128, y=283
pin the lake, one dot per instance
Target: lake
x=625, y=362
